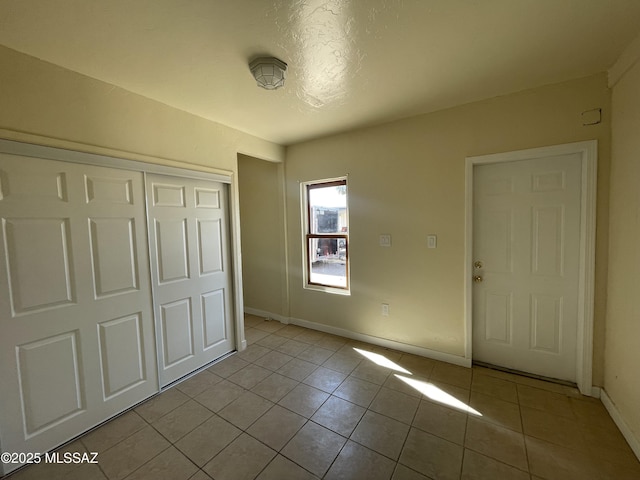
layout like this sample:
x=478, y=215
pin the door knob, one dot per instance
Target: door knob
x=477, y=278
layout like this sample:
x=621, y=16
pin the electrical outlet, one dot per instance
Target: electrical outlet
x=385, y=240
x=385, y=309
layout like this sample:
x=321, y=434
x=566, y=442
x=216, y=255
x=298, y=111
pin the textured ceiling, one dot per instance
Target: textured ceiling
x=351, y=62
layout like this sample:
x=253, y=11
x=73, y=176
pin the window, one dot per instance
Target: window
x=326, y=235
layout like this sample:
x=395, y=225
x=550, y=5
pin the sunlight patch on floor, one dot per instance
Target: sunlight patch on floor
x=427, y=389
x=382, y=361
x=437, y=394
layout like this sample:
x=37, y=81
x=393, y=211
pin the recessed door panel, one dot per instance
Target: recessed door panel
x=114, y=255
x=40, y=274
x=546, y=323
x=168, y=195
x=498, y=316
x=207, y=198
x=50, y=383
x=497, y=254
x=121, y=354
x=32, y=184
x=213, y=316
x=109, y=190
x=548, y=240
x=549, y=181
x=173, y=255
x=177, y=331
x=210, y=246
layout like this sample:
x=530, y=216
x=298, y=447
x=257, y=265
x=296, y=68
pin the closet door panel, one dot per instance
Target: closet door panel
x=190, y=263
x=75, y=304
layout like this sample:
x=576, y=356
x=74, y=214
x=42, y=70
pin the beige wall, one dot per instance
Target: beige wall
x=263, y=238
x=46, y=104
x=622, y=353
x=407, y=179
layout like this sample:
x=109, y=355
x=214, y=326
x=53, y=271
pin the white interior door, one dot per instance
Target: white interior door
x=75, y=300
x=190, y=263
x=526, y=247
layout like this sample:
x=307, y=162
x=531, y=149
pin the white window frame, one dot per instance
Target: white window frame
x=306, y=266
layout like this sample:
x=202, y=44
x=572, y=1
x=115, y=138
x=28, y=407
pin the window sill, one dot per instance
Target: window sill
x=325, y=289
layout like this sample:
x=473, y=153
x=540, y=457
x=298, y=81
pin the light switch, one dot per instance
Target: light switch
x=385, y=240
x=432, y=241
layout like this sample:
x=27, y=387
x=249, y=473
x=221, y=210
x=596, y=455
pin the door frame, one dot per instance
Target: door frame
x=199, y=172
x=588, y=152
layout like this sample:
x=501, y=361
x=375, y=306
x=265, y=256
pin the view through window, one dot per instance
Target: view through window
x=327, y=234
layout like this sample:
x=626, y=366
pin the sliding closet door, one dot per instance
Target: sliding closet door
x=76, y=342
x=191, y=272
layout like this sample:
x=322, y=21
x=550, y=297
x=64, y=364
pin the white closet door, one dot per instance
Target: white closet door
x=75, y=302
x=191, y=271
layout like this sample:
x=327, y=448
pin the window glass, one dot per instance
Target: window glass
x=328, y=208
x=327, y=231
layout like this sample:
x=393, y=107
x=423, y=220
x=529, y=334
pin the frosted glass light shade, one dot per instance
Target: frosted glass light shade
x=269, y=72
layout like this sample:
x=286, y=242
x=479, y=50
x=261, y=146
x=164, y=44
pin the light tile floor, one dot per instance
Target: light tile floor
x=299, y=404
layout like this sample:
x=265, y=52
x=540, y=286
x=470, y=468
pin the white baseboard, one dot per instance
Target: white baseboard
x=596, y=392
x=263, y=313
x=383, y=342
x=633, y=442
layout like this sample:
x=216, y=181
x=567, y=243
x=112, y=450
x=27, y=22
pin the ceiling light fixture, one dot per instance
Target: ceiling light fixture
x=269, y=72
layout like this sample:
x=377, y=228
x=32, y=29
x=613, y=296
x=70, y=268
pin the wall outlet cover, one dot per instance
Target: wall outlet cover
x=385, y=240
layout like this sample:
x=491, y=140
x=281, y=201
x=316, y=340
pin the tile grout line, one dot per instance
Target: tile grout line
x=380, y=389
x=524, y=437
x=407, y=437
x=347, y=439
x=307, y=420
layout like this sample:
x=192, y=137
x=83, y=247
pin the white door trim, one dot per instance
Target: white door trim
x=189, y=171
x=589, y=156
